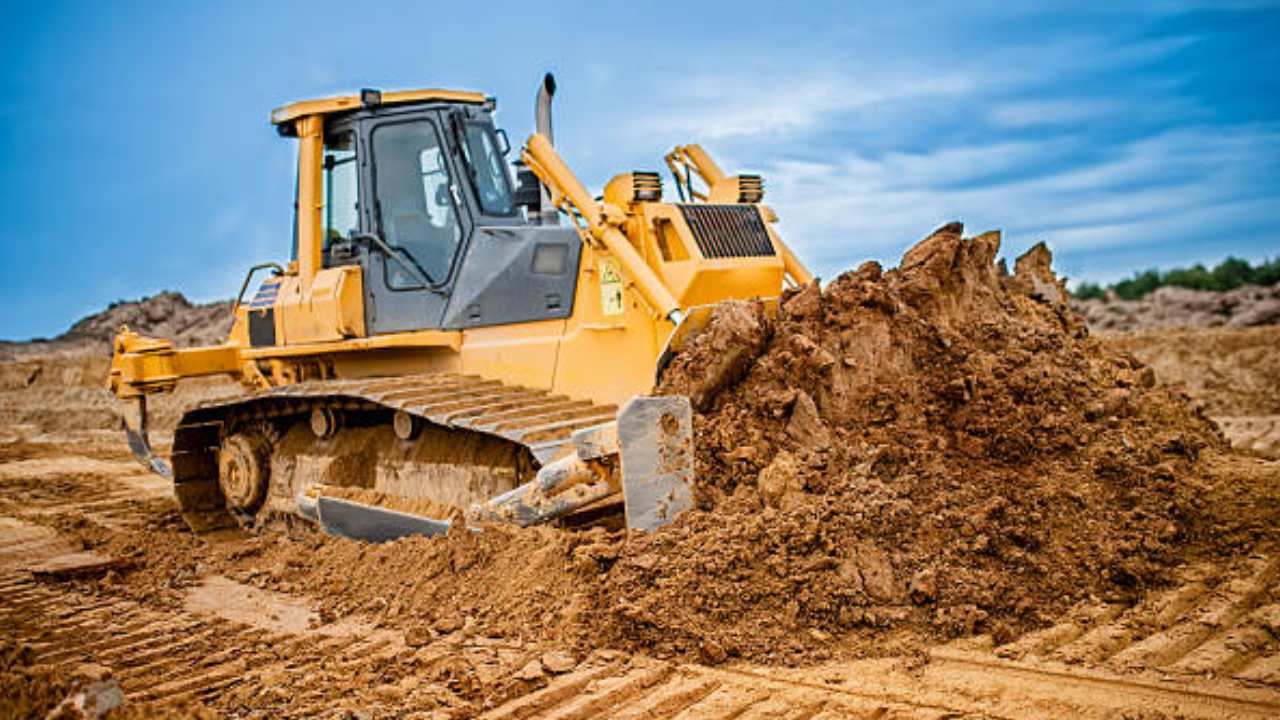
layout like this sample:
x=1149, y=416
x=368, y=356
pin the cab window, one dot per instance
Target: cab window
x=416, y=208
x=488, y=169
x=341, y=188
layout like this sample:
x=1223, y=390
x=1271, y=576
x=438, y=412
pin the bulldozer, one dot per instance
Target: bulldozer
x=458, y=337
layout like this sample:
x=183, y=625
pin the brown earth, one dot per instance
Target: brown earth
x=1232, y=374
x=940, y=448
x=1175, y=307
x=933, y=452
x=165, y=315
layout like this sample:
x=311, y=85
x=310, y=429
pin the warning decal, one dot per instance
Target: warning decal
x=610, y=289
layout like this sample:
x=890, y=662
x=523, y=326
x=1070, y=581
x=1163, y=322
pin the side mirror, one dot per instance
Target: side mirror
x=504, y=142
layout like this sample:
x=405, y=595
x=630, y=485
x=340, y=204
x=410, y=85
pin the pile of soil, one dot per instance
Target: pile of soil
x=166, y=315
x=938, y=447
x=1175, y=307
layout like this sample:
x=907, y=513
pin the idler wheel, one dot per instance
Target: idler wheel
x=325, y=421
x=407, y=426
x=244, y=466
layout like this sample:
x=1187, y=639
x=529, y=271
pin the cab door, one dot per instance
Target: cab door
x=416, y=210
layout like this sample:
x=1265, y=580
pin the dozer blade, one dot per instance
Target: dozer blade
x=650, y=446
x=655, y=442
x=372, y=524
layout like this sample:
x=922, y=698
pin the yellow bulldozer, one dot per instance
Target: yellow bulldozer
x=458, y=333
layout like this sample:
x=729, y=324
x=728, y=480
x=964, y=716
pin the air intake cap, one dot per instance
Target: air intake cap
x=750, y=189
x=634, y=187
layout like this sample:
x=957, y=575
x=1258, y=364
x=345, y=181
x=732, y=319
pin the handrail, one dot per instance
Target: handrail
x=249, y=276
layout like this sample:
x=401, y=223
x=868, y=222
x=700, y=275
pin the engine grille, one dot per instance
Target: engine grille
x=728, y=231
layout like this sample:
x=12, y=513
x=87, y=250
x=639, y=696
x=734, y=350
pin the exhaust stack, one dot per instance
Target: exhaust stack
x=542, y=110
x=542, y=125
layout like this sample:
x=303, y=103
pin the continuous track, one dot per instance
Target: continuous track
x=536, y=420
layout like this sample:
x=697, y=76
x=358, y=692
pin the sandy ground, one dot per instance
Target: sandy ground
x=1209, y=646
x=236, y=625
x=1233, y=374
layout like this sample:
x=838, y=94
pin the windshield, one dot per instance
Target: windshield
x=488, y=169
x=415, y=203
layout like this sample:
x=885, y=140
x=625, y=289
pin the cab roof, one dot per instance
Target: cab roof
x=343, y=103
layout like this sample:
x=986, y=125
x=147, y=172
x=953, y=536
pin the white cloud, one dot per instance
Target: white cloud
x=1028, y=113
x=1185, y=186
x=716, y=106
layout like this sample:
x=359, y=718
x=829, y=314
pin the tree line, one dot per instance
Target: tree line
x=1226, y=275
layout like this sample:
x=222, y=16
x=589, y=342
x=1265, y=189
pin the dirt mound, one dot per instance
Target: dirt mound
x=939, y=447
x=1170, y=307
x=165, y=315
x=59, y=384
x=1233, y=374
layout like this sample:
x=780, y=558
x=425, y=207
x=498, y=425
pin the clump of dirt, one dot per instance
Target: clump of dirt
x=27, y=690
x=938, y=447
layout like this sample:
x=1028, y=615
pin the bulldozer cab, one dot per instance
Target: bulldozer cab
x=418, y=195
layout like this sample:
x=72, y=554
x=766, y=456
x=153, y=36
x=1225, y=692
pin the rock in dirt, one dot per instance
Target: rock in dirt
x=75, y=565
x=91, y=702
x=532, y=670
x=806, y=426
x=558, y=662
x=779, y=484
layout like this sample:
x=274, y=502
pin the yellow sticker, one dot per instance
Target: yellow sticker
x=610, y=289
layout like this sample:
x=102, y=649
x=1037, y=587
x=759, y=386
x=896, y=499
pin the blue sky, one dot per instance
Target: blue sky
x=136, y=156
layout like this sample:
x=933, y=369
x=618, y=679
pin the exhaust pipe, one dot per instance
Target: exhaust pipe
x=542, y=109
x=542, y=125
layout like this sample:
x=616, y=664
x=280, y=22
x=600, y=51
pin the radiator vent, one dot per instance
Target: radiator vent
x=727, y=231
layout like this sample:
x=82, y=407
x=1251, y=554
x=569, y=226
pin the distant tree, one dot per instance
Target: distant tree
x=1194, y=278
x=1231, y=274
x=1266, y=274
x=1138, y=285
x=1227, y=275
x=1089, y=291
